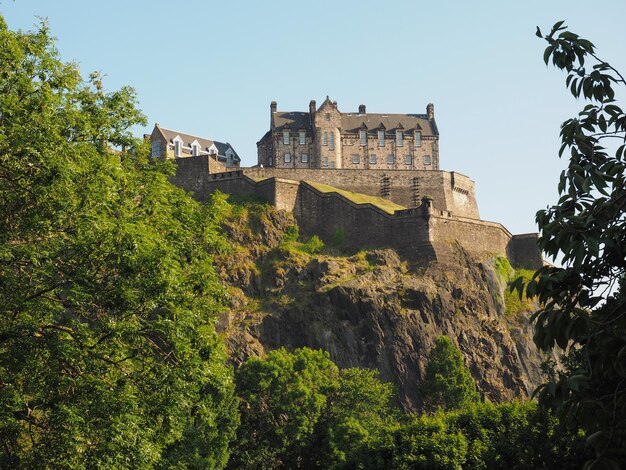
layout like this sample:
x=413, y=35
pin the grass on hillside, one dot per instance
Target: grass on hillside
x=514, y=305
x=358, y=198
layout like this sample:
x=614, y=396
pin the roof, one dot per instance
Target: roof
x=295, y=120
x=408, y=122
x=292, y=119
x=205, y=143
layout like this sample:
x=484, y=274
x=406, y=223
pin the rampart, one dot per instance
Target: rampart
x=426, y=231
x=449, y=190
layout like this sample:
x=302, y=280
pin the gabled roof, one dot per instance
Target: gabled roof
x=188, y=139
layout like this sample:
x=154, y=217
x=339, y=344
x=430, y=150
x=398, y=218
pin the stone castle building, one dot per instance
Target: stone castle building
x=325, y=137
x=312, y=164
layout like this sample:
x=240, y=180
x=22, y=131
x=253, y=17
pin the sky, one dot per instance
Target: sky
x=212, y=68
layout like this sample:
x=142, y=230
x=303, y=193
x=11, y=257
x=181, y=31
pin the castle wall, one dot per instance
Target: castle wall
x=449, y=191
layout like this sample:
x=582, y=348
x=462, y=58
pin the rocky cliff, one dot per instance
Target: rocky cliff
x=370, y=309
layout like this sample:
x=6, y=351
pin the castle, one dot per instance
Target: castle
x=331, y=169
x=327, y=138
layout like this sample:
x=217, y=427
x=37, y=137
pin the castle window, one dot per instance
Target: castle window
x=408, y=159
x=325, y=162
x=304, y=158
x=426, y=159
x=332, y=141
x=270, y=162
x=399, y=138
x=287, y=158
x=302, y=137
x=156, y=149
x=418, y=139
x=332, y=164
x=195, y=150
x=177, y=148
x=381, y=138
x=356, y=159
x=390, y=159
x=372, y=159
x=363, y=136
x=327, y=116
x=325, y=139
x=286, y=137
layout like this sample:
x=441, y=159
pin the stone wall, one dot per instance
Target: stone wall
x=449, y=190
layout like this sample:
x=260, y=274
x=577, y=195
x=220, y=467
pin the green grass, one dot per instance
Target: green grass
x=514, y=305
x=358, y=198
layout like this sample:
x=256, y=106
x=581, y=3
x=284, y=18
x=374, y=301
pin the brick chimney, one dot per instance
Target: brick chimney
x=361, y=109
x=312, y=108
x=430, y=111
x=272, y=111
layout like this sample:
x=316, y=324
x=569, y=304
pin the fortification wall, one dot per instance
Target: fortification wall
x=449, y=191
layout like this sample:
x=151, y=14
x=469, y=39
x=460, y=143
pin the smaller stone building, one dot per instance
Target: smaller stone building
x=167, y=143
x=325, y=137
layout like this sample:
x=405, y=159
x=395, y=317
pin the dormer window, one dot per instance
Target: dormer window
x=381, y=138
x=286, y=137
x=178, y=144
x=195, y=148
x=363, y=137
x=399, y=138
x=302, y=137
x=418, y=138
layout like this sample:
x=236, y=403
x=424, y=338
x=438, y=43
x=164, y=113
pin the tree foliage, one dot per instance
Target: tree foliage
x=447, y=383
x=587, y=227
x=108, y=352
x=298, y=410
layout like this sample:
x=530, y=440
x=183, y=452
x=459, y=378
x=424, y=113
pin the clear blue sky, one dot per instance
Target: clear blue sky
x=211, y=68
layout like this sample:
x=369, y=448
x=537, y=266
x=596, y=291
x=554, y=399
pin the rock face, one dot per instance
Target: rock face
x=374, y=310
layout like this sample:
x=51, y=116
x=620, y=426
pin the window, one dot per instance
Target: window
x=327, y=116
x=381, y=138
x=302, y=137
x=156, y=149
x=390, y=159
x=418, y=139
x=332, y=141
x=372, y=159
x=195, y=150
x=286, y=137
x=325, y=162
x=177, y=148
x=426, y=159
x=304, y=158
x=332, y=164
x=399, y=138
x=408, y=159
x=287, y=158
x=325, y=139
x=356, y=159
x=363, y=136
x=270, y=162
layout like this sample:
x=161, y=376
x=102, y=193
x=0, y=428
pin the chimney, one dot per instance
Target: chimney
x=430, y=111
x=361, y=109
x=335, y=104
x=272, y=111
x=312, y=108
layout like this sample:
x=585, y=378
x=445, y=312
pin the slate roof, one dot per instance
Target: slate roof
x=408, y=122
x=205, y=143
x=351, y=123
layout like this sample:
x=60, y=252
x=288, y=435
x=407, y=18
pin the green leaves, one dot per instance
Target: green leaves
x=108, y=352
x=581, y=310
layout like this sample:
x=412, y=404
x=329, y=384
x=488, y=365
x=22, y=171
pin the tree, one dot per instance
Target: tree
x=298, y=410
x=587, y=227
x=283, y=397
x=108, y=352
x=447, y=383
